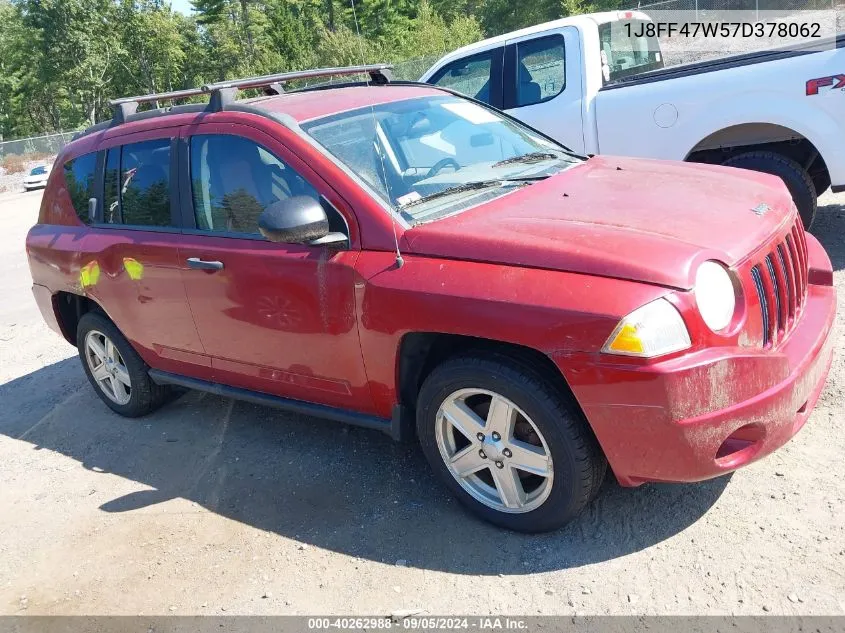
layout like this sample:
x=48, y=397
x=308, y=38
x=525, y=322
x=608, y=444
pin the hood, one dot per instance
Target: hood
x=643, y=220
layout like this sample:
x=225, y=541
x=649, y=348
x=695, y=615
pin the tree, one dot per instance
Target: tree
x=61, y=60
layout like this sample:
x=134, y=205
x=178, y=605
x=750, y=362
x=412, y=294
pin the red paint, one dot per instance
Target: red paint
x=307, y=105
x=553, y=266
x=813, y=85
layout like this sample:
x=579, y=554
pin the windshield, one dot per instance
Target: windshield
x=38, y=171
x=433, y=156
x=627, y=50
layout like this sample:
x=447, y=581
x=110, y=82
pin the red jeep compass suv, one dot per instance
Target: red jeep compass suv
x=406, y=259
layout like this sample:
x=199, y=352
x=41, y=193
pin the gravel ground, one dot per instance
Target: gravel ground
x=212, y=506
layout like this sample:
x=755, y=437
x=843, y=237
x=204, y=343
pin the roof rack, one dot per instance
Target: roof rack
x=223, y=92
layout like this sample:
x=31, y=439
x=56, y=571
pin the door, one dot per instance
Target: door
x=275, y=318
x=131, y=259
x=542, y=84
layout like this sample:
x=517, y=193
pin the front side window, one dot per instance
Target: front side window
x=432, y=156
x=79, y=176
x=38, y=171
x=137, y=184
x=540, y=69
x=234, y=180
x=472, y=76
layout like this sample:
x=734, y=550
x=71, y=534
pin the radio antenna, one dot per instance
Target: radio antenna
x=399, y=261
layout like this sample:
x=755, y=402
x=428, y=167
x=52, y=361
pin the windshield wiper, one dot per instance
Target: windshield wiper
x=471, y=186
x=533, y=157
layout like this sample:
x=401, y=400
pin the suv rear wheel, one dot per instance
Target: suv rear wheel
x=510, y=446
x=114, y=368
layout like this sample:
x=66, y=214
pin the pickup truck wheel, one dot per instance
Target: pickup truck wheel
x=797, y=180
x=114, y=368
x=509, y=445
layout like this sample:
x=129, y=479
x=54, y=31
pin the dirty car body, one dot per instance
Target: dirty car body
x=587, y=276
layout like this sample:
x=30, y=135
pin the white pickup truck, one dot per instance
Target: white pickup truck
x=599, y=89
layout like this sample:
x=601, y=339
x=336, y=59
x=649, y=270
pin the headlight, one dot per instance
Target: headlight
x=656, y=328
x=715, y=295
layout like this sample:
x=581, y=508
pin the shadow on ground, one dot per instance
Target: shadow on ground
x=345, y=489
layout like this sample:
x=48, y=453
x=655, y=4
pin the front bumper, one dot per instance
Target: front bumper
x=708, y=413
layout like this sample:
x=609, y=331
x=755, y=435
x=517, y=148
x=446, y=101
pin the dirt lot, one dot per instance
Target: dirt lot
x=212, y=506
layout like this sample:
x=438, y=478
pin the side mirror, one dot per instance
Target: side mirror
x=295, y=220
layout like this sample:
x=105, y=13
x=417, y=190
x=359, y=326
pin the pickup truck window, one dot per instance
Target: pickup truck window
x=472, y=76
x=79, y=176
x=541, y=70
x=414, y=150
x=623, y=54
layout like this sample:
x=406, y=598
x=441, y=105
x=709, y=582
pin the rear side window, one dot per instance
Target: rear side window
x=79, y=176
x=626, y=50
x=541, y=70
x=471, y=76
x=137, y=184
x=234, y=180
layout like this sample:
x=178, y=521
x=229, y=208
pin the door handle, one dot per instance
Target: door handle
x=201, y=264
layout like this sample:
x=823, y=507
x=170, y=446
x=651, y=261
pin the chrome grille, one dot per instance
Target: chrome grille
x=780, y=281
x=764, y=303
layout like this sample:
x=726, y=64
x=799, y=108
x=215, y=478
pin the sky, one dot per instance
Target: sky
x=183, y=6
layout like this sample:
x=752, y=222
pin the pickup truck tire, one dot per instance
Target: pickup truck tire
x=797, y=180
x=547, y=431
x=110, y=362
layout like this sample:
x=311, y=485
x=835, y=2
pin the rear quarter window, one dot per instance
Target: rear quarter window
x=79, y=177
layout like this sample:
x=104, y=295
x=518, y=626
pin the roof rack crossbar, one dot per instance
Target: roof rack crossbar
x=379, y=73
x=159, y=96
x=223, y=92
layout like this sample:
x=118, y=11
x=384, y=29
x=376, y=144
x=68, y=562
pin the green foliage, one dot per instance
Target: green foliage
x=61, y=60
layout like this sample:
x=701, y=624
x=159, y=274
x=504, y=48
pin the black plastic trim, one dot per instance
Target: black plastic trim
x=226, y=234
x=186, y=196
x=733, y=61
x=175, y=214
x=295, y=406
x=837, y=188
x=137, y=227
x=99, y=186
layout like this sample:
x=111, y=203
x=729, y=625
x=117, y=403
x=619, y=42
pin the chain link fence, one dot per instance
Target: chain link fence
x=48, y=144
x=706, y=8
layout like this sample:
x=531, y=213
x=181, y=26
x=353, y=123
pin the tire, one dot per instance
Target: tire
x=143, y=396
x=796, y=179
x=577, y=464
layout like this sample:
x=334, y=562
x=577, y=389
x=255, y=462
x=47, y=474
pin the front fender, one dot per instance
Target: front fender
x=813, y=123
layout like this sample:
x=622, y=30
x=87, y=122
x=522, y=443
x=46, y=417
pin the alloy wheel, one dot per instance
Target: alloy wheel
x=107, y=367
x=494, y=450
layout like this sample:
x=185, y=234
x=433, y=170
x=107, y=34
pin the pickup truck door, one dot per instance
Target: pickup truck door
x=542, y=84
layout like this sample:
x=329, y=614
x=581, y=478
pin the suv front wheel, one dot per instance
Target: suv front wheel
x=114, y=368
x=511, y=447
